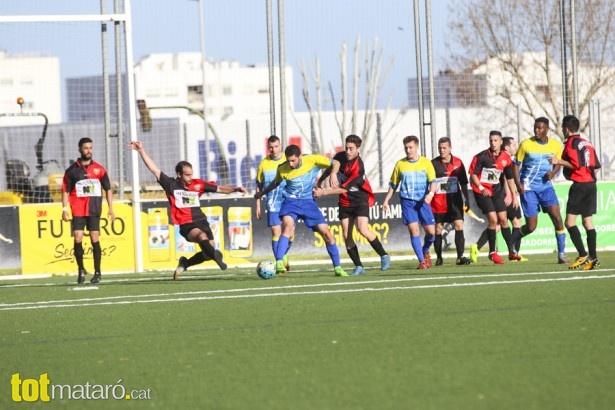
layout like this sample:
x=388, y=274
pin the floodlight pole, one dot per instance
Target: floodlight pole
x=204, y=86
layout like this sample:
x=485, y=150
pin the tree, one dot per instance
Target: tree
x=517, y=44
x=347, y=116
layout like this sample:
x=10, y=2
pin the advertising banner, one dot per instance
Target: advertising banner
x=34, y=239
x=543, y=238
x=47, y=242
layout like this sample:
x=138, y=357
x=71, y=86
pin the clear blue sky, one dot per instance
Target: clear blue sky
x=236, y=30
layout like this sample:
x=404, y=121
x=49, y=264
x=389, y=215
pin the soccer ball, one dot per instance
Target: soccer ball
x=265, y=269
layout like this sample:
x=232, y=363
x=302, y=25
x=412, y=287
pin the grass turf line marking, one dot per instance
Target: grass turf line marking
x=313, y=285
x=302, y=293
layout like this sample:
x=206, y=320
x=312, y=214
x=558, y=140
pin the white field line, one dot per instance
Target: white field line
x=313, y=285
x=227, y=294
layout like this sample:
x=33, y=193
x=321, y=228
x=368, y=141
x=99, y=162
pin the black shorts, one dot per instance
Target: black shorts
x=346, y=212
x=512, y=213
x=582, y=199
x=185, y=229
x=490, y=203
x=79, y=223
x=454, y=213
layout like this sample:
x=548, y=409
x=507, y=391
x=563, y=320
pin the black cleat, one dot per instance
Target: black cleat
x=439, y=262
x=463, y=261
x=81, y=277
x=218, y=259
x=181, y=267
x=95, y=278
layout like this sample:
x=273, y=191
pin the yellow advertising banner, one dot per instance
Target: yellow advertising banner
x=47, y=241
x=240, y=231
x=165, y=244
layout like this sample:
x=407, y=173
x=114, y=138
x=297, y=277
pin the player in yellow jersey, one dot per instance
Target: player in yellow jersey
x=416, y=178
x=300, y=174
x=265, y=174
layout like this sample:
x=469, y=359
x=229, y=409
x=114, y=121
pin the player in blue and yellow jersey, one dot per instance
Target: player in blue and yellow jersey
x=265, y=174
x=416, y=178
x=533, y=174
x=300, y=173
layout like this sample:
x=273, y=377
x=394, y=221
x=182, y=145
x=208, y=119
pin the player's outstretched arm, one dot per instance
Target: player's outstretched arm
x=228, y=189
x=268, y=188
x=147, y=160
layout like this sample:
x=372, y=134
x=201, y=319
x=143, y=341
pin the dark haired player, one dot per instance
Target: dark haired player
x=580, y=164
x=348, y=180
x=533, y=174
x=299, y=172
x=448, y=204
x=82, y=187
x=183, y=193
x=485, y=171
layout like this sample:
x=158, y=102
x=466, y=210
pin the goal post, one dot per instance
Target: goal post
x=53, y=148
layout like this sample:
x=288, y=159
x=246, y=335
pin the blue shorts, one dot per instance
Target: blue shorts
x=273, y=219
x=416, y=211
x=306, y=209
x=533, y=201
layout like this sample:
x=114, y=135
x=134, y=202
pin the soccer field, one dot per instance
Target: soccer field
x=521, y=335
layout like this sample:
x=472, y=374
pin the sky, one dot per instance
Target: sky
x=236, y=30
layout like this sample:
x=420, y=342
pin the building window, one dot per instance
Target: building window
x=195, y=93
x=227, y=90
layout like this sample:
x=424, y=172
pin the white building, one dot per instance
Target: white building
x=36, y=79
x=164, y=80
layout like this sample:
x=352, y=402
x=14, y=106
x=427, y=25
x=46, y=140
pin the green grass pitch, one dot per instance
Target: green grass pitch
x=530, y=335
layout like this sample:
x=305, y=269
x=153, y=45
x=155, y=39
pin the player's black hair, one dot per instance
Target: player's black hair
x=84, y=140
x=495, y=132
x=542, y=119
x=292, y=151
x=179, y=168
x=571, y=122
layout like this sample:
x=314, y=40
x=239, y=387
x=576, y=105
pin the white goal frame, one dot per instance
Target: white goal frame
x=126, y=18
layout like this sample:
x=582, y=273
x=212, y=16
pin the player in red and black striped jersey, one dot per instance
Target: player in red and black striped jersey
x=183, y=193
x=348, y=180
x=448, y=204
x=82, y=188
x=580, y=164
x=485, y=170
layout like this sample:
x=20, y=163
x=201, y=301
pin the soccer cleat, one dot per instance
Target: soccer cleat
x=95, y=278
x=495, y=258
x=562, y=259
x=591, y=264
x=463, y=261
x=579, y=262
x=474, y=253
x=523, y=259
x=358, y=270
x=439, y=262
x=181, y=267
x=340, y=272
x=81, y=276
x=428, y=259
x=218, y=259
x=423, y=265
x=286, y=263
x=279, y=268
x=385, y=262
x=514, y=257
